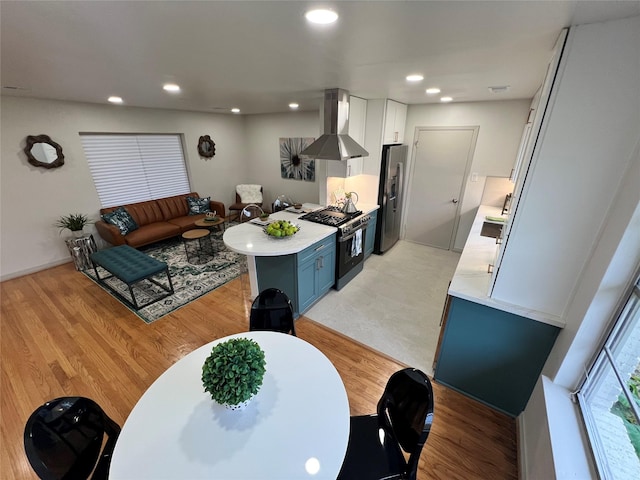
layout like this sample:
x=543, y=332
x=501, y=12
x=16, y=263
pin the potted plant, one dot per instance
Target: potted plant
x=233, y=373
x=74, y=222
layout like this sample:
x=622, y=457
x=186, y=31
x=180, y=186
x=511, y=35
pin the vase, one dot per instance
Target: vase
x=240, y=406
x=77, y=233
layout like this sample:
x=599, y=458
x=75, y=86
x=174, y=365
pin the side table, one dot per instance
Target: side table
x=197, y=245
x=80, y=249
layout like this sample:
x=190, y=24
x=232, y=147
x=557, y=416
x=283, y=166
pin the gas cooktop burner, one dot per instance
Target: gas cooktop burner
x=331, y=216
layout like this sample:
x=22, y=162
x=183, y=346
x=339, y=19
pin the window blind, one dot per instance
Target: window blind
x=135, y=168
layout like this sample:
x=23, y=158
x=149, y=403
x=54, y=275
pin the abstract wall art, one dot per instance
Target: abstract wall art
x=291, y=164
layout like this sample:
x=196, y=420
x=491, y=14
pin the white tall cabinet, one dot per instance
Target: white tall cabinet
x=575, y=159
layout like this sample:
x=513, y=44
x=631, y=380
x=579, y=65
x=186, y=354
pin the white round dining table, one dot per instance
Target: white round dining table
x=296, y=427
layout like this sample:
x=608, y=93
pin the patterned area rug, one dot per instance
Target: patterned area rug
x=189, y=281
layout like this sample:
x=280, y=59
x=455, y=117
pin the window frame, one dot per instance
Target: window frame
x=124, y=170
x=602, y=360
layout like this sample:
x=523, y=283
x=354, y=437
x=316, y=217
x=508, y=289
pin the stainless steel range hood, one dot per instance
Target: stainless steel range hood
x=335, y=143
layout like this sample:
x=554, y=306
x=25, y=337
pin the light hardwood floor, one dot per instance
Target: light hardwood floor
x=61, y=334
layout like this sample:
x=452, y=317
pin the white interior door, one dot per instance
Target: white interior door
x=441, y=157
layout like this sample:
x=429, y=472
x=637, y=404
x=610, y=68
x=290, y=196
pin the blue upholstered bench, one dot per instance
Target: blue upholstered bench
x=130, y=266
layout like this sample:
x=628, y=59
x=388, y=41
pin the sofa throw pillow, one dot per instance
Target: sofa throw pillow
x=198, y=205
x=121, y=219
x=249, y=193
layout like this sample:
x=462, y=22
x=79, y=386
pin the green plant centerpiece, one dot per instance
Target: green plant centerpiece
x=234, y=371
x=74, y=222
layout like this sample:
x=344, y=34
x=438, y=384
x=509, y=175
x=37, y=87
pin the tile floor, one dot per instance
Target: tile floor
x=394, y=305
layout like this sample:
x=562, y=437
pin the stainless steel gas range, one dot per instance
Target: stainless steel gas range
x=352, y=231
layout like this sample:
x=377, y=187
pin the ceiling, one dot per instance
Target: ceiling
x=261, y=55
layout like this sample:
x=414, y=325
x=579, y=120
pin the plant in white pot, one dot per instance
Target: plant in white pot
x=234, y=371
x=74, y=222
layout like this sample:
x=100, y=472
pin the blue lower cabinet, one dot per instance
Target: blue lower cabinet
x=307, y=284
x=326, y=270
x=316, y=271
x=491, y=355
x=305, y=277
x=370, y=235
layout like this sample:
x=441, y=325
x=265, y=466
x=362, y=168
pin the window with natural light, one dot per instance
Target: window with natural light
x=135, y=168
x=610, y=396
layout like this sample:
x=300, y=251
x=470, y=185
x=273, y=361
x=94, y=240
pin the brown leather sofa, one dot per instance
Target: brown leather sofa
x=157, y=220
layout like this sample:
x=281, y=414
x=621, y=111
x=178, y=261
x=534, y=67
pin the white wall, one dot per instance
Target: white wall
x=603, y=281
x=501, y=124
x=32, y=198
x=263, y=133
x=495, y=191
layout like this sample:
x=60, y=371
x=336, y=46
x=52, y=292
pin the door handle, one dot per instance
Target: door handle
x=455, y=200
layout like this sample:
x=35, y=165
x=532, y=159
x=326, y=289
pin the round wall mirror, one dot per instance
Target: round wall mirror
x=206, y=147
x=41, y=151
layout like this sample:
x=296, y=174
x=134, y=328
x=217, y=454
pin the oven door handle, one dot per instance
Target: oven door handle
x=351, y=235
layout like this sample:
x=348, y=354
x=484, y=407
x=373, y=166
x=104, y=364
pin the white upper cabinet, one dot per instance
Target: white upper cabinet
x=357, y=124
x=526, y=134
x=394, y=122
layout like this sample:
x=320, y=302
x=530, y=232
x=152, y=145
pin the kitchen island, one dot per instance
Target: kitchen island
x=490, y=350
x=303, y=265
x=250, y=239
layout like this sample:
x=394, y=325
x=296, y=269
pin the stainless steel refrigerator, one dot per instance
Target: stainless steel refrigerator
x=390, y=196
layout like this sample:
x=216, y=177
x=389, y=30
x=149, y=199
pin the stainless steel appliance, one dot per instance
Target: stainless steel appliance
x=352, y=230
x=390, y=197
x=335, y=142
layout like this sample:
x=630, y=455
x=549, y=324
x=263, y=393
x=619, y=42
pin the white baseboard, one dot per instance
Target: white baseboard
x=522, y=448
x=39, y=268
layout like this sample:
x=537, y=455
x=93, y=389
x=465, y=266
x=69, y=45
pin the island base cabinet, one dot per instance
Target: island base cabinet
x=316, y=272
x=492, y=356
x=279, y=272
x=304, y=277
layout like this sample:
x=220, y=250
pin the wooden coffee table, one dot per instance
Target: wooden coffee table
x=216, y=223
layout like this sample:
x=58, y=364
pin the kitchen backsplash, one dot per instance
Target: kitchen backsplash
x=495, y=190
x=366, y=186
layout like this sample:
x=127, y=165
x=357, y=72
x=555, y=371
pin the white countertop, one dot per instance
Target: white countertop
x=471, y=280
x=249, y=238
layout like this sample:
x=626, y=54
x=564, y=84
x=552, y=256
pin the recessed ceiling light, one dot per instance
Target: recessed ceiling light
x=446, y=99
x=235, y=110
x=415, y=78
x=171, y=87
x=321, y=16
x=293, y=105
x=432, y=91
x=115, y=99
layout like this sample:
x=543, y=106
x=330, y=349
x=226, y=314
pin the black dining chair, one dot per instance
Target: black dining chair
x=272, y=310
x=63, y=440
x=403, y=422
